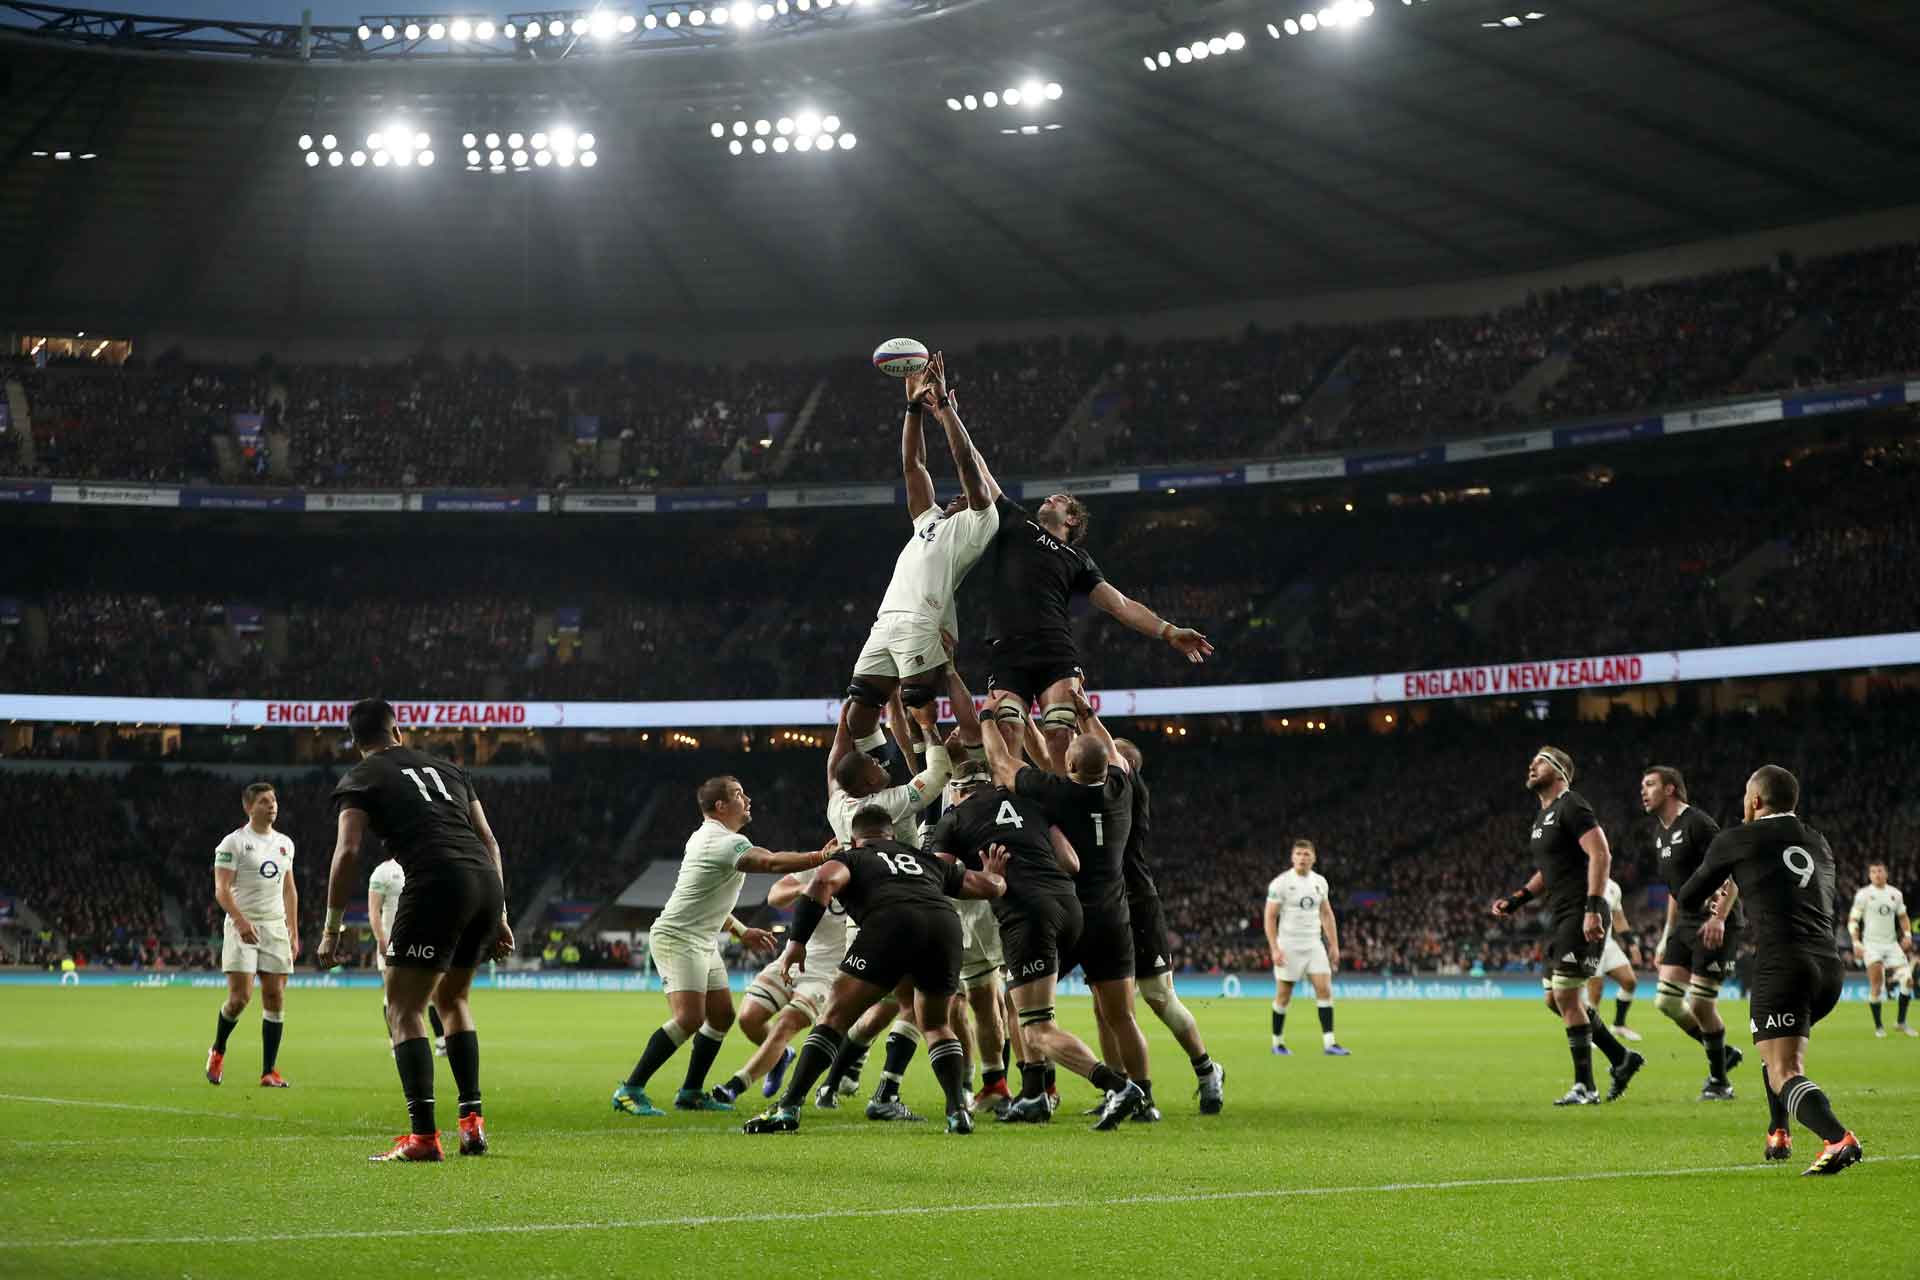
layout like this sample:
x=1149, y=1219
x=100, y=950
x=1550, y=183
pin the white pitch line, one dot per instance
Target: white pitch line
x=143, y=1106
x=901, y=1211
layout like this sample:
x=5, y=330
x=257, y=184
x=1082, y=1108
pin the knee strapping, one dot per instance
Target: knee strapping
x=1036, y=1016
x=1705, y=990
x=915, y=696
x=1059, y=715
x=1007, y=712
x=908, y=1030
x=1671, y=1000
x=867, y=693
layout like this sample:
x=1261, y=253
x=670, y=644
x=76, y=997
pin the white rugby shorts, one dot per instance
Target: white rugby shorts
x=1302, y=961
x=273, y=955
x=901, y=645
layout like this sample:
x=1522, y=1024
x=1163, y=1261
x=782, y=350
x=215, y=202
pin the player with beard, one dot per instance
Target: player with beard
x=1784, y=870
x=1572, y=863
x=1696, y=948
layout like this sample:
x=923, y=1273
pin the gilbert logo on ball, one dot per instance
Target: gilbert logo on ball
x=898, y=357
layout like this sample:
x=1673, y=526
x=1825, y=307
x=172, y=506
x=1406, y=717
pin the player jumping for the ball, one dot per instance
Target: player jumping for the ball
x=907, y=649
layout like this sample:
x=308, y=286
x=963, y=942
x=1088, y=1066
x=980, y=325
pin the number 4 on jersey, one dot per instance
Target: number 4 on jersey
x=1007, y=817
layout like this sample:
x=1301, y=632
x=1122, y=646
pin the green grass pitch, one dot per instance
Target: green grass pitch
x=1431, y=1152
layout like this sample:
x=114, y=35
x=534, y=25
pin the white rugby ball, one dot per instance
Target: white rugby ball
x=898, y=357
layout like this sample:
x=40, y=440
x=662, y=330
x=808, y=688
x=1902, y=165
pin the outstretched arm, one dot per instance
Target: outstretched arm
x=1110, y=599
x=1000, y=757
x=913, y=450
x=758, y=859
x=981, y=489
x=842, y=744
x=1090, y=725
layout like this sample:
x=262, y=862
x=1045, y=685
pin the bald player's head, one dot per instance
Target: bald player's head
x=1087, y=758
x=1131, y=754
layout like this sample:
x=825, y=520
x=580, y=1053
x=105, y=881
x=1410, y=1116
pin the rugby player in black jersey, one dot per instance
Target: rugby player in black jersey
x=1572, y=860
x=1784, y=869
x=1093, y=807
x=898, y=897
x=452, y=911
x=1152, y=965
x=1039, y=565
x=1696, y=948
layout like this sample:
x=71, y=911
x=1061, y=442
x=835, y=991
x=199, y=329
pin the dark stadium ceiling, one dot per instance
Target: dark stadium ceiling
x=1416, y=146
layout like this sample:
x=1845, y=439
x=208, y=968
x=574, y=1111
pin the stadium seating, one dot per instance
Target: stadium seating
x=432, y=422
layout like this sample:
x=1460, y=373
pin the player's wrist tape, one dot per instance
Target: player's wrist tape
x=1166, y=629
x=336, y=917
x=807, y=916
x=1519, y=896
x=1596, y=906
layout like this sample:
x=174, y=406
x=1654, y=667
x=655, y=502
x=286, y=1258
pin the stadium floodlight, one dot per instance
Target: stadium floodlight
x=807, y=123
x=335, y=159
x=745, y=15
x=972, y=103
x=734, y=147
x=515, y=141
x=784, y=125
x=421, y=141
x=848, y=141
x=1291, y=27
x=473, y=157
x=413, y=31
x=1164, y=58
x=1151, y=64
x=493, y=140
x=649, y=22
x=469, y=140
x=562, y=138
x=718, y=130
x=533, y=30
x=603, y=24
x=759, y=146
x=673, y=17
x=1308, y=22
x=1033, y=91
x=306, y=142
x=780, y=146
x=358, y=158
x=519, y=159
x=766, y=11
x=1273, y=32
x=780, y=7
x=953, y=104
x=496, y=157
x=626, y=24
x=1235, y=41
x=588, y=159
x=697, y=18
x=581, y=26
x=483, y=30
x=386, y=31
x=803, y=5
x=425, y=158
x=543, y=158
x=803, y=143
x=1183, y=54
x=509, y=30
x=1217, y=45
x=720, y=16
x=436, y=31
x=313, y=159
x=563, y=158
x=763, y=127
x=1199, y=50
x=830, y=125
x=380, y=159
x=540, y=141
x=403, y=157
x=364, y=31
x=989, y=99
x=461, y=29
x=329, y=141
x=376, y=142
x=1011, y=97
x=1054, y=91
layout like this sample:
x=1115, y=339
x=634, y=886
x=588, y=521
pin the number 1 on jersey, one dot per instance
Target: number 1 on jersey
x=433, y=773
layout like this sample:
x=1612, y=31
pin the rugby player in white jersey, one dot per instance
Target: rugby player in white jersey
x=905, y=650
x=253, y=883
x=1615, y=964
x=1882, y=939
x=383, y=904
x=1298, y=911
x=686, y=948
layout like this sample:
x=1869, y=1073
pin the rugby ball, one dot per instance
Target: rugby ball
x=898, y=357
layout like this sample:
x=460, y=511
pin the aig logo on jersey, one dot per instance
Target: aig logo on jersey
x=1776, y=1022
x=415, y=952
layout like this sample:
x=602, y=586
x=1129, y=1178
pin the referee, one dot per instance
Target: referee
x=1784, y=871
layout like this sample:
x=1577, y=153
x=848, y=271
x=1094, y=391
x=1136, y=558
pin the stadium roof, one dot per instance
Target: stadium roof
x=1418, y=145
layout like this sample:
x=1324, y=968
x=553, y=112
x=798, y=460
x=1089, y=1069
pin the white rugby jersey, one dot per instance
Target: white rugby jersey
x=929, y=569
x=828, y=945
x=903, y=803
x=259, y=864
x=707, y=888
x=1614, y=896
x=1876, y=914
x=1300, y=898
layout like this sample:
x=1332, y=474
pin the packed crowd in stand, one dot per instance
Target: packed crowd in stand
x=776, y=607
x=1417, y=830
x=434, y=422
